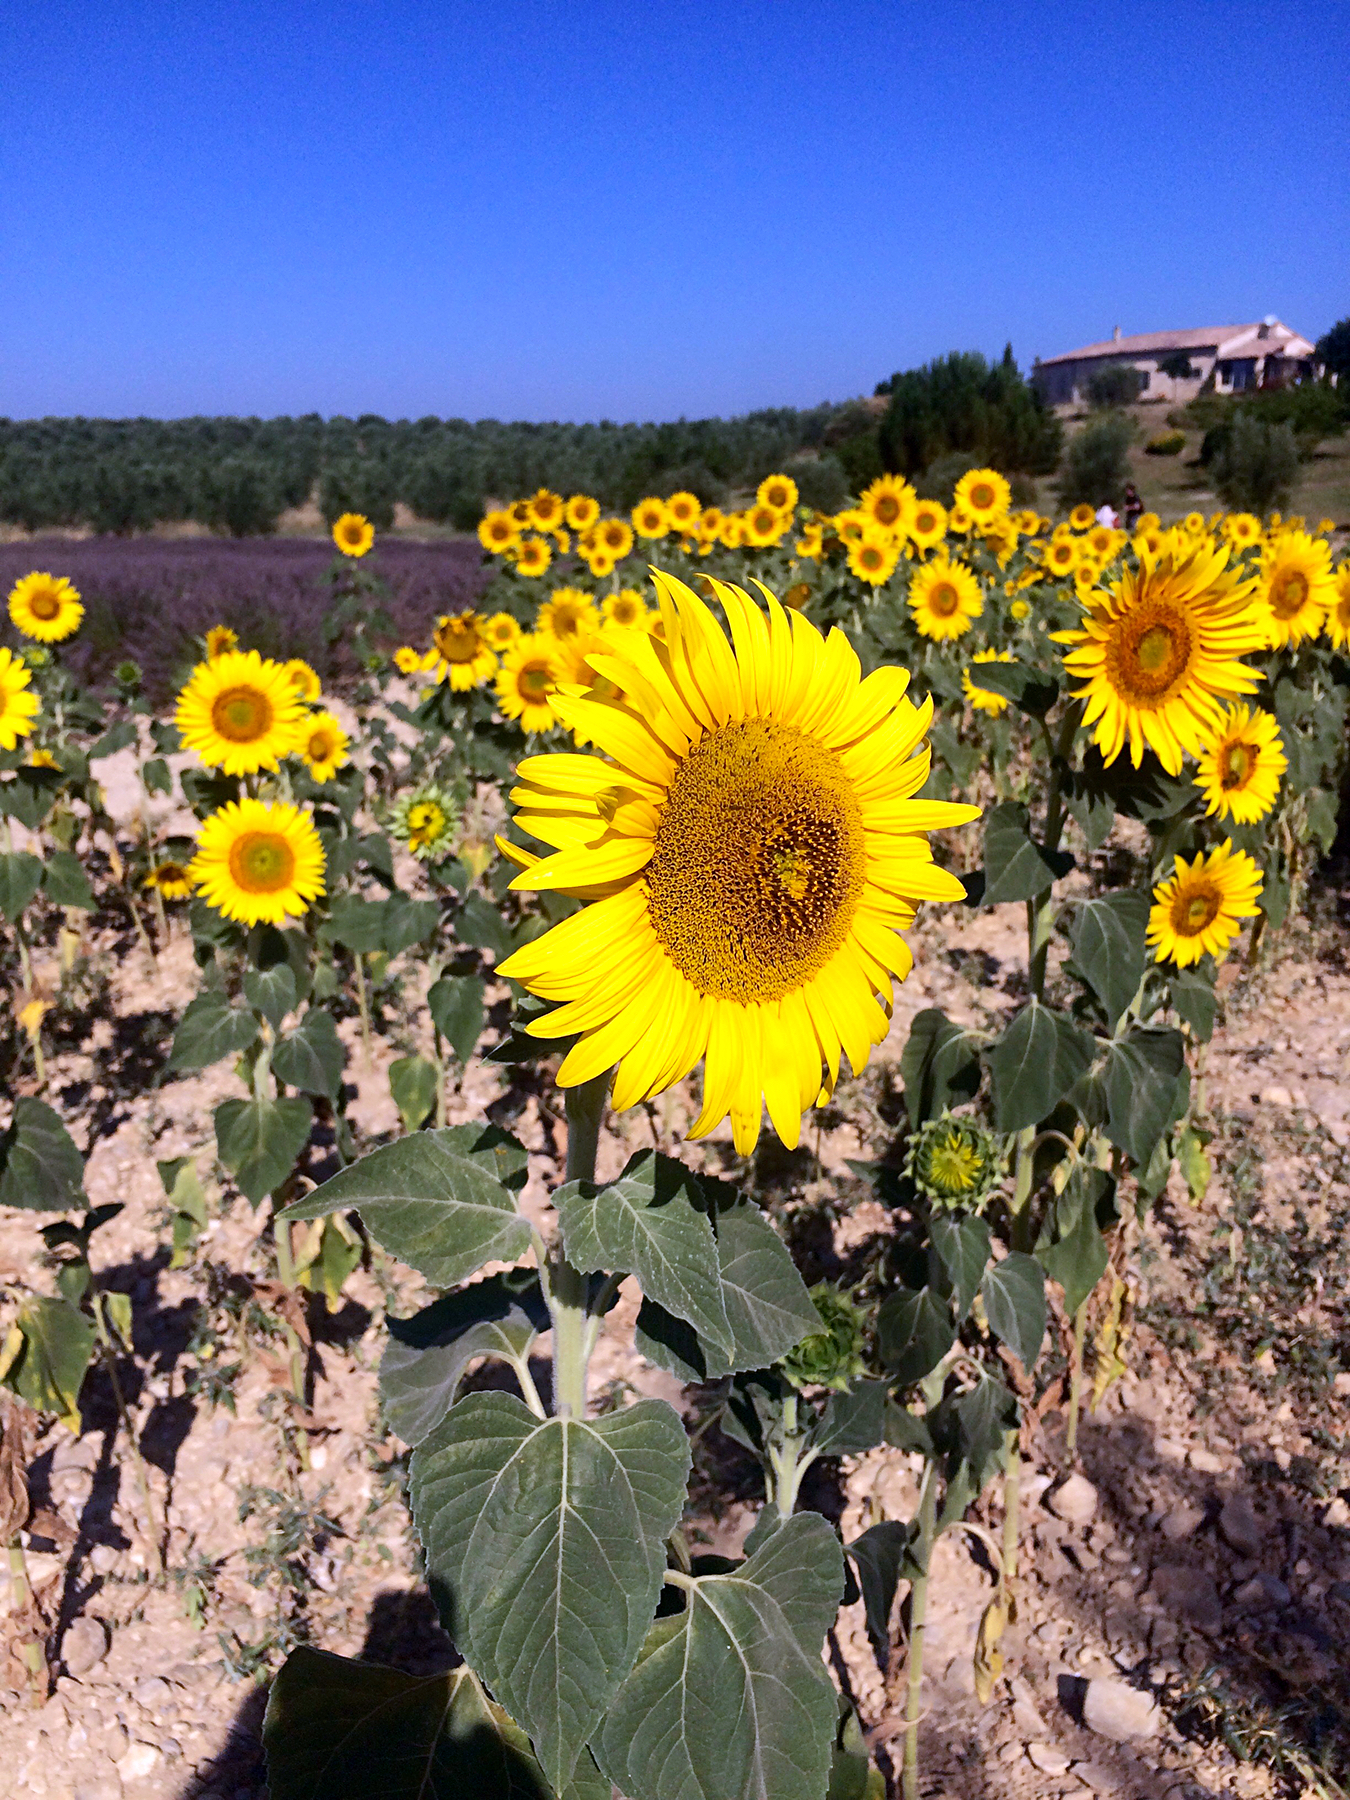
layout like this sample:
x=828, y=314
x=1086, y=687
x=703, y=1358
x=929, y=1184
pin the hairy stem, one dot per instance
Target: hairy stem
x=567, y=1287
x=918, y=1610
x=1076, y=1381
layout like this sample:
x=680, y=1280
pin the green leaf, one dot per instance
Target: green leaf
x=40, y=1167
x=425, y=1361
x=1143, y=1081
x=342, y=1730
x=853, y=1421
x=972, y=1428
x=259, y=1141
x=431, y=1201
x=482, y=927
x=650, y=1223
x=940, y=1066
x=1014, y=1304
x=412, y=1082
x=29, y=796
x=545, y=1552
x=732, y=1701
x=962, y=1245
x=210, y=1030
x=47, y=1363
x=66, y=883
x=271, y=992
x=116, y=737
x=408, y=922
x=1034, y=1064
x=1078, y=1259
x=311, y=1057
x=1108, y=947
x=881, y=1557
x=1016, y=867
x=157, y=776
x=1194, y=1000
x=1030, y=690
x=456, y=1003
x=20, y=879
x=355, y=923
x=915, y=1331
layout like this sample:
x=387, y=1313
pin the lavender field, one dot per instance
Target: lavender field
x=149, y=598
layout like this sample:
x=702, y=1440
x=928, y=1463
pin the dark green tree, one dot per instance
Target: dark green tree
x=1333, y=350
x=1177, y=365
x=963, y=403
x=1114, y=385
x=1096, y=464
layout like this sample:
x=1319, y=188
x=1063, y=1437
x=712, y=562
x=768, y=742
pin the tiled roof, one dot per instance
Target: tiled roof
x=1226, y=340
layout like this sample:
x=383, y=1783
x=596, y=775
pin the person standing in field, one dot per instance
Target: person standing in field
x=1134, y=506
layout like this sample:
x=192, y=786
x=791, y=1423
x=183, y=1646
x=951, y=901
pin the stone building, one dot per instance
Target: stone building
x=1237, y=357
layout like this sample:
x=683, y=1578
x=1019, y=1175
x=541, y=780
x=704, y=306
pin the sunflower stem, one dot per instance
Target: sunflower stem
x=1012, y=1497
x=362, y=1000
x=918, y=1611
x=1076, y=1382
x=567, y=1286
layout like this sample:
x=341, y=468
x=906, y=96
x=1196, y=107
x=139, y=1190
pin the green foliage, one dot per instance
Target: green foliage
x=1333, y=349
x=1252, y=463
x=259, y=1140
x=45, y=1355
x=40, y=1167
x=832, y=1357
x=1177, y=366
x=1166, y=443
x=1096, y=466
x=962, y=403
x=1114, y=385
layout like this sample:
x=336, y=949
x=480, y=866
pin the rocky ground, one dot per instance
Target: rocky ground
x=1183, y=1603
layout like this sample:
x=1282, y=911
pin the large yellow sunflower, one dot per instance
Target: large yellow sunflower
x=18, y=707
x=928, y=523
x=1241, y=764
x=498, y=532
x=467, y=660
x=1338, y=615
x=569, y=612
x=1158, y=652
x=873, y=558
x=582, y=512
x=1199, y=909
x=323, y=745
x=888, y=502
x=546, y=509
x=240, y=713
x=626, y=609
x=1082, y=518
x=259, y=864
x=500, y=630
x=45, y=607
x=684, y=510
x=778, y=493
x=751, y=847
x=1060, y=556
x=532, y=556
x=303, y=679
x=528, y=681
x=984, y=494
x=614, y=536
x=944, y=597
x=650, y=518
x=1298, y=587
x=1242, y=529
x=764, y=525
x=353, y=534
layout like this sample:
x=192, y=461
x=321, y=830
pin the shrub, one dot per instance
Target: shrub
x=963, y=403
x=1096, y=466
x=939, y=479
x=365, y=487
x=821, y=482
x=1255, y=463
x=1116, y=384
x=241, y=496
x=1166, y=443
x=1333, y=349
x=1177, y=365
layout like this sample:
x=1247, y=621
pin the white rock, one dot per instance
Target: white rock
x=1240, y=1526
x=138, y=1762
x=1183, y=1521
x=1337, y=1514
x=1075, y=1501
x=1341, y=1382
x=1048, y=1759
x=1119, y=1712
x=1276, y=1096
x=103, y=1559
x=1169, y=1450
x=84, y=1646
x=1207, y=1462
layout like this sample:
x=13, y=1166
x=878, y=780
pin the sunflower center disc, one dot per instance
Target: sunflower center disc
x=533, y=681
x=1195, y=909
x=760, y=862
x=261, y=862
x=44, y=604
x=982, y=496
x=1288, y=596
x=1237, y=767
x=320, y=747
x=1147, y=655
x=457, y=643
x=242, y=714
x=944, y=599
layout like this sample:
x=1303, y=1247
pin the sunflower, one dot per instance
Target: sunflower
x=563, y=539
x=1241, y=765
x=778, y=493
x=240, y=713
x=685, y=511
x=500, y=630
x=958, y=517
x=498, y=532
x=546, y=509
x=1159, y=651
x=1242, y=529
x=532, y=556
x=928, y=523
x=1060, y=556
x=173, y=880
x=43, y=759
x=1020, y=610
x=1101, y=540
x=465, y=658
x=528, y=680
x=600, y=563
x=851, y=526
x=731, y=532
x=954, y=1162
x=751, y=848
x=811, y=544
x=710, y=521
x=764, y=526
x=888, y=502
x=944, y=597
x=568, y=613
x=986, y=700
x=984, y=494
x=873, y=558
x=45, y=607
x=614, y=536
x=1085, y=576
x=650, y=518
x=18, y=708
x=323, y=745
x=1082, y=518
x=582, y=512
x=626, y=609
x=1194, y=524
x=407, y=660
x=425, y=821
x=258, y=863
x=1338, y=615
x=353, y=534
x=303, y=679
x=218, y=640
x=1199, y=909
x=1297, y=587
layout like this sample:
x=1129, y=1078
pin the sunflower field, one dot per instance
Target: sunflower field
x=653, y=832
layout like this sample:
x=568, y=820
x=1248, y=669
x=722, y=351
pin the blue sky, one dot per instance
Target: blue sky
x=610, y=208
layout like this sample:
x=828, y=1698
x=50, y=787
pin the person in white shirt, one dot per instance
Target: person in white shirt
x=1107, y=515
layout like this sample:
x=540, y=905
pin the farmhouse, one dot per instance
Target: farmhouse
x=1229, y=358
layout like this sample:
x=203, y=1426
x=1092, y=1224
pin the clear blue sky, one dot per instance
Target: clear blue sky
x=613, y=208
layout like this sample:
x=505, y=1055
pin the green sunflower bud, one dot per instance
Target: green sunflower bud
x=833, y=1356
x=426, y=821
x=954, y=1162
